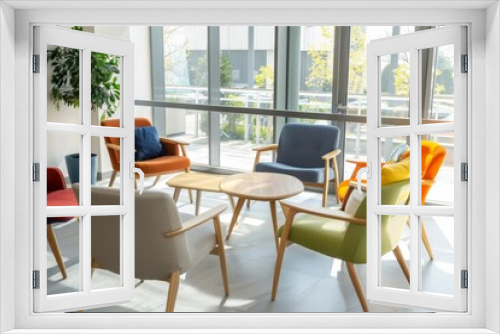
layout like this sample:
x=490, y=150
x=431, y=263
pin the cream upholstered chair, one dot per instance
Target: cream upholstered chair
x=165, y=247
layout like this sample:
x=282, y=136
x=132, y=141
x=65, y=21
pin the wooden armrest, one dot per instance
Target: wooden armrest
x=174, y=141
x=331, y=155
x=270, y=147
x=354, y=184
x=113, y=146
x=198, y=220
x=356, y=161
x=322, y=212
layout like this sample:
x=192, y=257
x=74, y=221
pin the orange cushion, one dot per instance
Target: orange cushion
x=163, y=164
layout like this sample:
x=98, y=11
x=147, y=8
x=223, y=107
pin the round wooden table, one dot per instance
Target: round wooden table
x=268, y=187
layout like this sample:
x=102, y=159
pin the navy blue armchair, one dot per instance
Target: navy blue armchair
x=307, y=152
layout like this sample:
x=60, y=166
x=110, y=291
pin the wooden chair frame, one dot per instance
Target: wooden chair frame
x=291, y=210
x=329, y=159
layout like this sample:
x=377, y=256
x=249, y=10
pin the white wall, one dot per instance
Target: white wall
x=7, y=170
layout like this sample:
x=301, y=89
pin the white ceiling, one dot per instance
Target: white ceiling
x=253, y=4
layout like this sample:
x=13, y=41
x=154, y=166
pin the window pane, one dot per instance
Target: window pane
x=437, y=274
x=105, y=166
x=247, y=66
x=393, y=232
x=186, y=64
x=316, y=68
x=190, y=126
x=394, y=150
x=438, y=83
x=63, y=255
x=106, y=252
x=106, y=87
x=63, y=83
x=355, y=147
x=239, y=134
x=438, y=173
x=395, y=87
x=63, y=168
x=360, y=37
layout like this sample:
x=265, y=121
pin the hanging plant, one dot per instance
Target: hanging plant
x=65, y=81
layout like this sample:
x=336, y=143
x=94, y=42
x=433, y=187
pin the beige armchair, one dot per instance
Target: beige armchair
x=165, y=247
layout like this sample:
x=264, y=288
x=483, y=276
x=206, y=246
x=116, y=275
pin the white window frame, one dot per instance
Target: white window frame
x=476, y=320
x=412, y=44
x=86, y=43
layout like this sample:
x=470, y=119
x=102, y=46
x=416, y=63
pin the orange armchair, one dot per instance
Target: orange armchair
x=174, y=161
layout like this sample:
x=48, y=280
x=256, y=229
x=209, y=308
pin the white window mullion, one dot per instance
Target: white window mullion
x=414, y=170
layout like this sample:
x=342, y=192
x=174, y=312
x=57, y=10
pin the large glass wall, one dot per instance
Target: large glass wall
x=246, y=80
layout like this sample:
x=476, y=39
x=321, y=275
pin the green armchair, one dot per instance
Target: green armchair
x=341, y=235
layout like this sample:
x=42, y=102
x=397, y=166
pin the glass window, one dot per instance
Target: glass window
x=355, y=136
x=186, y=64
x=316, y=68
x=246, y=80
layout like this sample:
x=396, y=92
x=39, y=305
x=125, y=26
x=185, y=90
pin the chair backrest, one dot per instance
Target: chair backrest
x=156, y=257
x=303, y=145
x=354, y=246
x=433, y=162
x=114, y=155
x=55, y=179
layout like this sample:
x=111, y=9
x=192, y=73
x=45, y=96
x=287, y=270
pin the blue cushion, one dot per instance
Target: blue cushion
x=147, y=143
x=303, y=145
x=313, y=175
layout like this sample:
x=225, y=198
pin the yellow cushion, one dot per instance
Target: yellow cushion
x=391, y=173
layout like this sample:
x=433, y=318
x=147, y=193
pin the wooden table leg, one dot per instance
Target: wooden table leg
x=274, y=218
x=236, y=213
x=231, y=201
x=177, y=192
x=198, y=201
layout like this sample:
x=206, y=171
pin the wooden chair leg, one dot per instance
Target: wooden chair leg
x=425, y=240
x=112, y=179
x=325, y=194
x=357, y=286
x=231, y=201
x=326, y=183
x=281, y=252
x=236, y=214
x=274, y=218
x=54, y=246
x=222, y=254
x=402, y=262
x=198, y=202
x=336, y=178
x=177, y=192
x=190, y=195
x=427, y=243
x=248, y=204
x=157, y=180
x=173, y=289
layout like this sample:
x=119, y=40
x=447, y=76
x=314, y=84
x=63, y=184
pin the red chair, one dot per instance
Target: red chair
x=58, y=195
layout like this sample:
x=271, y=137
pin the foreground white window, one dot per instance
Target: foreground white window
x=81, y=48
x=415, y=127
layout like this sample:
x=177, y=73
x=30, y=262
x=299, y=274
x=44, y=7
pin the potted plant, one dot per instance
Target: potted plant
x=65, y=89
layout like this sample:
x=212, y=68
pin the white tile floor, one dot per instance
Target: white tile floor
x=310, y=282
